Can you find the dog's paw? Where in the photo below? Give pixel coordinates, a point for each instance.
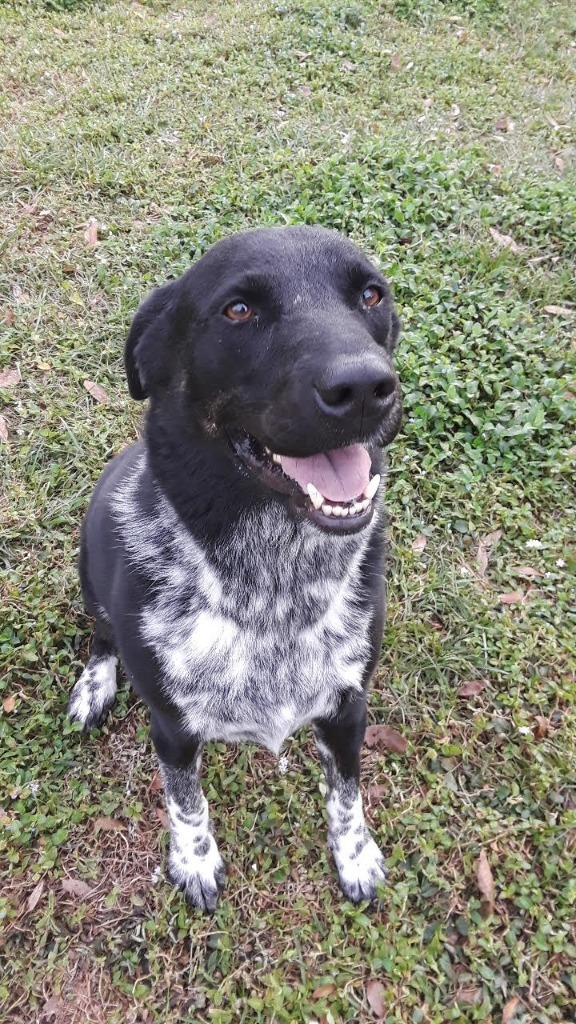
(201, 877)
(361, 868)
(94, 693)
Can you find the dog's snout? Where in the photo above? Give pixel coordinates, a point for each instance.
(355, 388)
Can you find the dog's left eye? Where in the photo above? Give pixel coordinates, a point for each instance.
(371, 296)
(238, 311)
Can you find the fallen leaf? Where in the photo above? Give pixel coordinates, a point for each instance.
(541, 728)
(485, 545)
(76, 887)
(34, 896)
(97, 392)
(156, 784)
(55, 1007)
(3, 429)
(419, 543)
(162, 817)
(18, 295)
(384, 736)
(305, 90)
(42, 364)
(9, 317)
(9, 703)
(375, 997)
(504, 124)
(559, 163)
(324, 990)
(527, 571)
(105, 824)
(8, 378)
(560, 310)
(395, 62)
(485, 883)
(347, 65)
(91, 233)
(469, 995)
(509, 1010)
(511, 598)
(505, 241)
(495, 170)
(472, 687)
(376, 793)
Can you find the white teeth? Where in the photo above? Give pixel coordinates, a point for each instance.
(337, 510)
(364, 504)
(315, 496)
(345, 511)
(327, 510)
(372, 487)
(276, 458)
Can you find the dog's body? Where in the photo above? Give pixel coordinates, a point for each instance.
(241, 605)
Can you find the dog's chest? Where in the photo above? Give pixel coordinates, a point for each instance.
(264, 636)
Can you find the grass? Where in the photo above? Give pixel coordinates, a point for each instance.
(416, 127)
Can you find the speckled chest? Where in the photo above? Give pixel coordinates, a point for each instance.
(260, 636)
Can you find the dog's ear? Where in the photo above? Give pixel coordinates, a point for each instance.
(150, 342)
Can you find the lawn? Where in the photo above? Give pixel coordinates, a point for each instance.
(440, 135)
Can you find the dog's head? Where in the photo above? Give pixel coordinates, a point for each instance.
(277, 345)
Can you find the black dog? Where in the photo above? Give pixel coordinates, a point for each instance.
(234, 558)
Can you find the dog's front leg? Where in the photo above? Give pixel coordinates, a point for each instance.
(194, 863)
(358, 859)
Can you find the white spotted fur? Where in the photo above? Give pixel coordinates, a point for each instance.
(94, 692)
(257, 639)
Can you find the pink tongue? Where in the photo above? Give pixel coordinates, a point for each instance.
(339, 475)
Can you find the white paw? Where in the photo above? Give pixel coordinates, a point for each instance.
(94, 693)
(200, 874)
(361, 866)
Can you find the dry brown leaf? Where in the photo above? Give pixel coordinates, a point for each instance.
(156, 784)
(9, 703)
(55, 1010)
(105, 824)
(527, 571)
(485, 883)
(91, 233)
(76, 887)
(559, 163)
(472, 687)
(560, 310)
(18, 295)
(3, 429)
(509, 1010)
(541, 728)
(504, 124)
(419, 543)
(375, 996)
(395, 62)
(512, 598)
(384, 736)
(505, 241)
(377, 793)
(485, 545)
(495, 170)
(305, 90)
(97, 392)
(35, 896)
(162, 817)
(469, 995)
(324, 990)
(8, 378)
(9, 317)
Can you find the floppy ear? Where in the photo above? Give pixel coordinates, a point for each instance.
(150, 342)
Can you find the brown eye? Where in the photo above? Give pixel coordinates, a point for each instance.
(371, 296)
(238, 311)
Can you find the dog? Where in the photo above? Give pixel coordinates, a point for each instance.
(233, 559)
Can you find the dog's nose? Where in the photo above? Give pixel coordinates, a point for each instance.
(360, 388)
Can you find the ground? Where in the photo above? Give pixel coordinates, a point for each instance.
(439, 135)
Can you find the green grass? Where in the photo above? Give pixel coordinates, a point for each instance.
(416, 127)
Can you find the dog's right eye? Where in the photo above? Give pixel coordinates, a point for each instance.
(238, 311)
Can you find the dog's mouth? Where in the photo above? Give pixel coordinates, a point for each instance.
(333, 488)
